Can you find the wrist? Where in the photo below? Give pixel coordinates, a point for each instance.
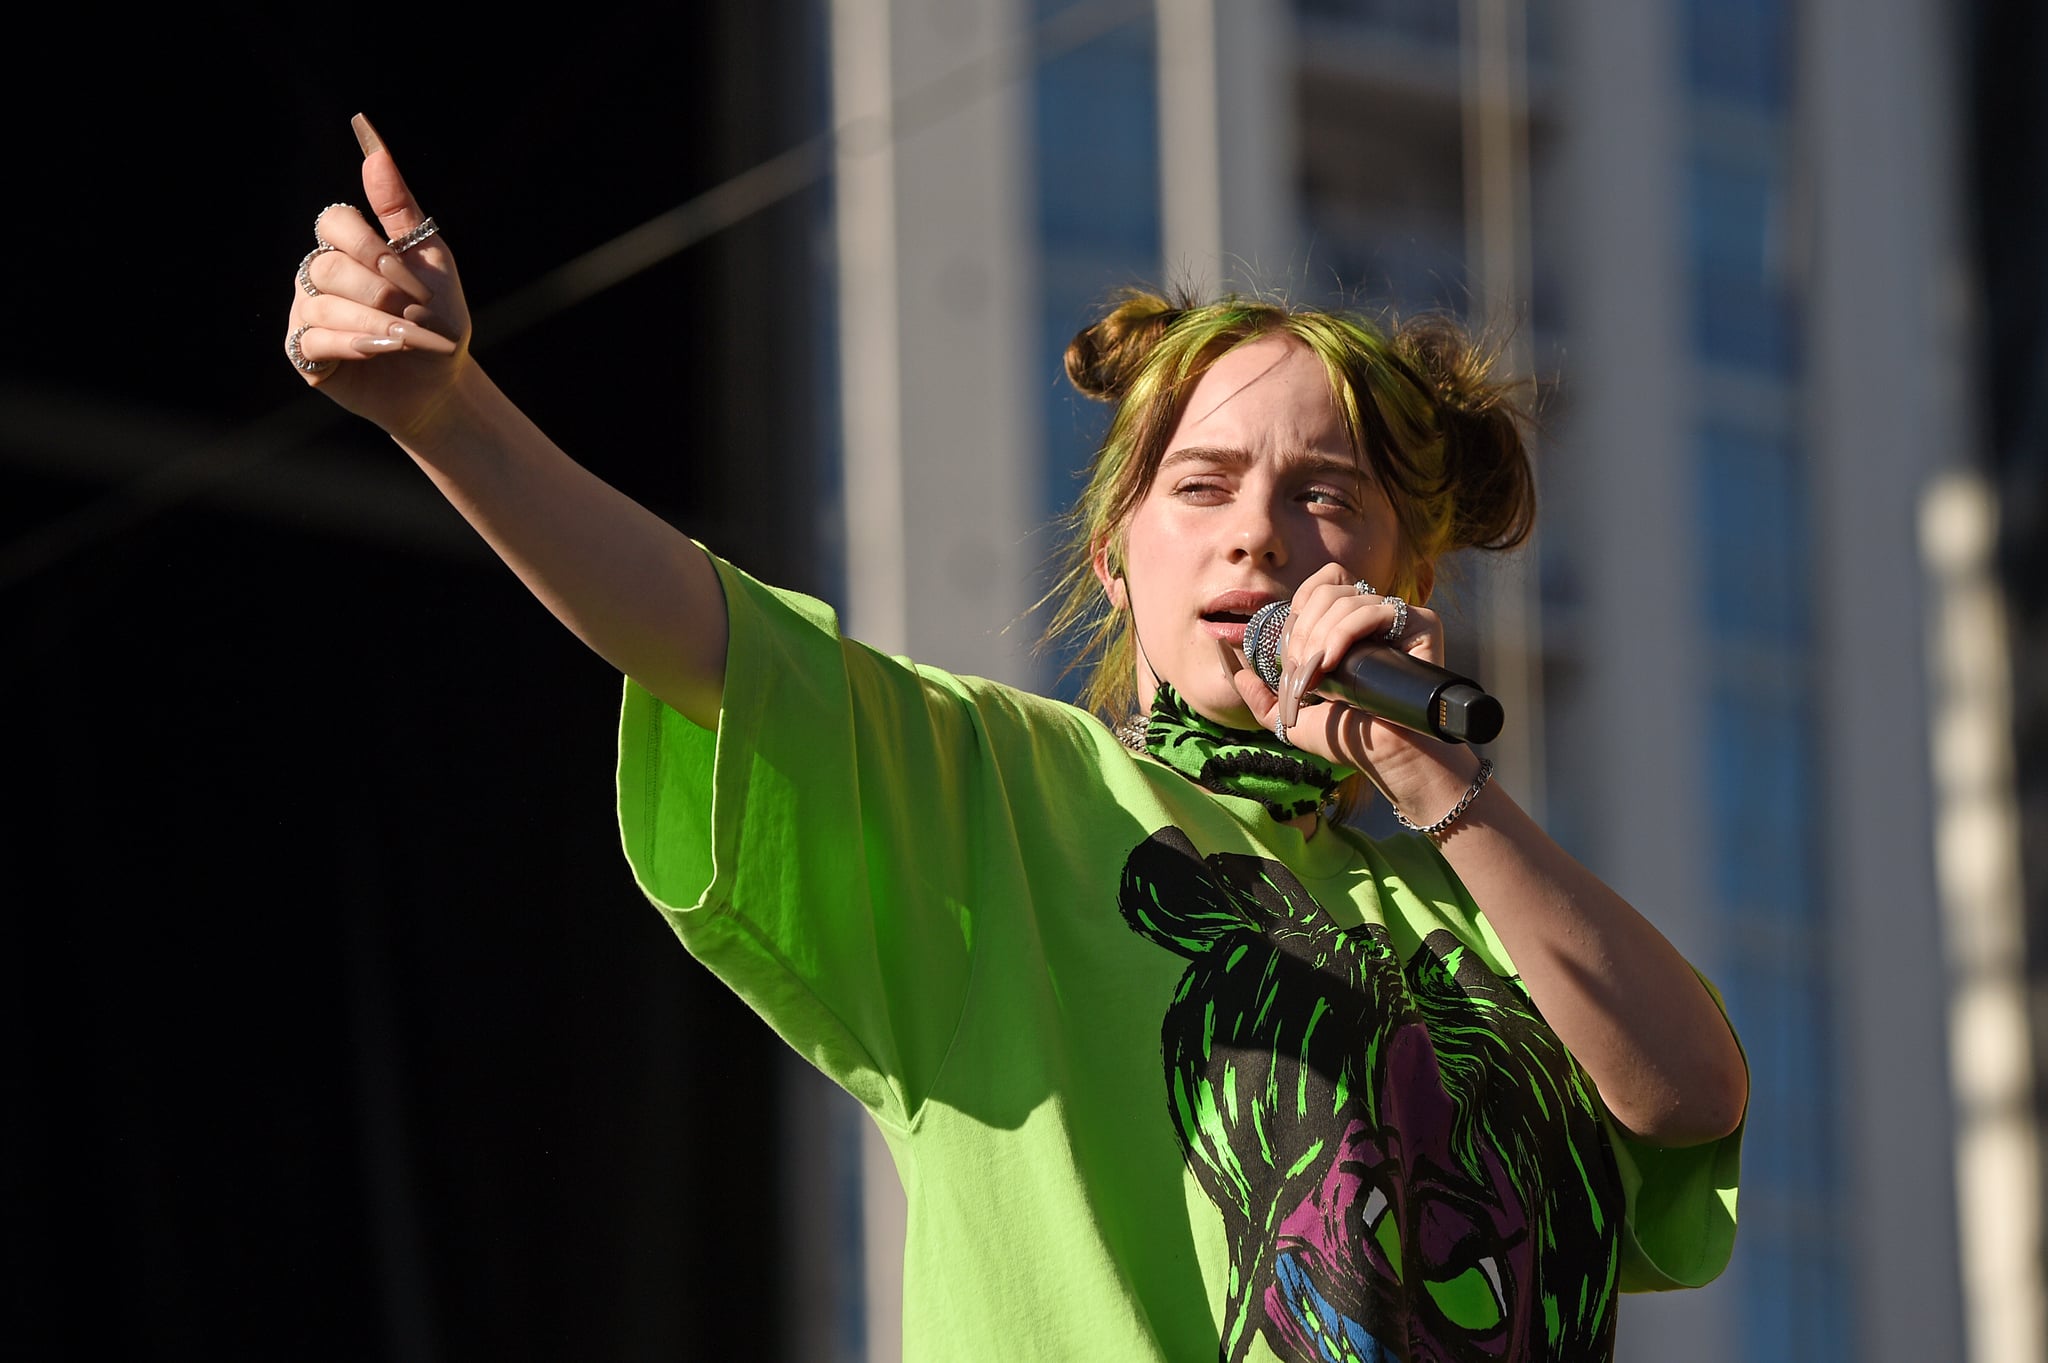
(1427, 779)
(452, 416)
(1415, 772)
(1439, 828)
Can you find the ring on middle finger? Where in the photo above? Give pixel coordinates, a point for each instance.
(1400, 625)
(306, 269)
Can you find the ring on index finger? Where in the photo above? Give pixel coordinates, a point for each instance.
(306, 268)
(401, 244)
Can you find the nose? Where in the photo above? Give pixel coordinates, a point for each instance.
(1257, 532)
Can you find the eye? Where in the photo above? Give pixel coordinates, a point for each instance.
(1324, 495)
(1202, 491)
(1380, 1226)
(1472, 1300)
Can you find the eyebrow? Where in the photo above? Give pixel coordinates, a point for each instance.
(1232, 457)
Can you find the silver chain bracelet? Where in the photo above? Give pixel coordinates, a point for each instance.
(1471, 794)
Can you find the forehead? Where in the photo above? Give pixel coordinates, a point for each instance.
(1271, 394)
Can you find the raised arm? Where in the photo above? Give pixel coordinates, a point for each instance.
(386, 334)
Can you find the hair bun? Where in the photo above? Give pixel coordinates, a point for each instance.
(1486, 465)
(1103, 359)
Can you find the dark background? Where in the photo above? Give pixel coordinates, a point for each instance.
(2008, 129)
(335, 1027)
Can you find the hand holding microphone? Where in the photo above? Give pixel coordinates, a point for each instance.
(1384, 682)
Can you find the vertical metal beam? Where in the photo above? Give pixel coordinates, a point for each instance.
(939, 398)
(1190, 170)
(1225, 143)
(1494, 42)
(870, 358)
(1625, 504)
(1884, 282)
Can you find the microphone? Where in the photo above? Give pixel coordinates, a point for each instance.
(1386, 683)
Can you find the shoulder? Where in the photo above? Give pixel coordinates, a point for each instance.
(1419, 894)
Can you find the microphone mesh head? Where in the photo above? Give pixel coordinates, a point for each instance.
(1262, 641)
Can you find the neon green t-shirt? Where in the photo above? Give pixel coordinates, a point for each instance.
(1162, 1078)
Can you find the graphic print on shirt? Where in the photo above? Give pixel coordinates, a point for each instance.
(1409, 1164)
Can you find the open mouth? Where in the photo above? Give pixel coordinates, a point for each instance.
(1226, 626)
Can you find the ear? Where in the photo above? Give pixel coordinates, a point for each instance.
(1112, 580)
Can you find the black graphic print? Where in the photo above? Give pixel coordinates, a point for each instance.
(1408, 1163)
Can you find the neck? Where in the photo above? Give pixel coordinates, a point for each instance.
(1251, 763)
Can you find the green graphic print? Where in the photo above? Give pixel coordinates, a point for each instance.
(1245, 762)
(1409, 1164)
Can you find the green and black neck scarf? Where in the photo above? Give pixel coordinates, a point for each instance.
(1245, 762)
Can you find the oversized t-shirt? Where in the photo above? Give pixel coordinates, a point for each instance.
(1163, 1079)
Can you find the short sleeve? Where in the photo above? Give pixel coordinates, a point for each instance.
(1679, 1227)
(811, 852)
(1681, 1222)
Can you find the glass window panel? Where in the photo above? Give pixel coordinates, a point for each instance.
(1740, 307)
(1753, 537)
(1736, 50)
(1098, 145)
(1431, 20)
(1095, 120)
(1758, 795)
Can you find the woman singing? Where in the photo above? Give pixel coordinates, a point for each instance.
(1174, 1064)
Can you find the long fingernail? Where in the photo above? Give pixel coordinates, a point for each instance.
(376, 345)
(1294, 684)
(394, 269)
(417, 337)
(366, 136)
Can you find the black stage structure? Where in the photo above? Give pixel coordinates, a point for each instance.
(336, 1026)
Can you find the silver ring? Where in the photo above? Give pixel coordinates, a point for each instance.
(1362, 587)
(427, 228)
(316, 224)
(306, 266)
(1400, 625)
(297, 356)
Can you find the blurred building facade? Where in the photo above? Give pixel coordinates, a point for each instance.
(1708, 229)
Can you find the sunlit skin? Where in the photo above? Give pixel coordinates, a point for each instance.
(624, 581)
(1259, 497)
(1284, 509)
(1259, 488)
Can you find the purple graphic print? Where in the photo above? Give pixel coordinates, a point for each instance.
(1409, 1165)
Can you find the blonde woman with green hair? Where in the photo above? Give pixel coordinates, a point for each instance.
(1174, 1064)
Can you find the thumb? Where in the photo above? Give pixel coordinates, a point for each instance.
(1259, 698)
(385, 188)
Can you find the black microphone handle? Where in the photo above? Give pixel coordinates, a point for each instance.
(1386, 683)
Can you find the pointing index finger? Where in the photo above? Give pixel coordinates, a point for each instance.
(396, 209)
